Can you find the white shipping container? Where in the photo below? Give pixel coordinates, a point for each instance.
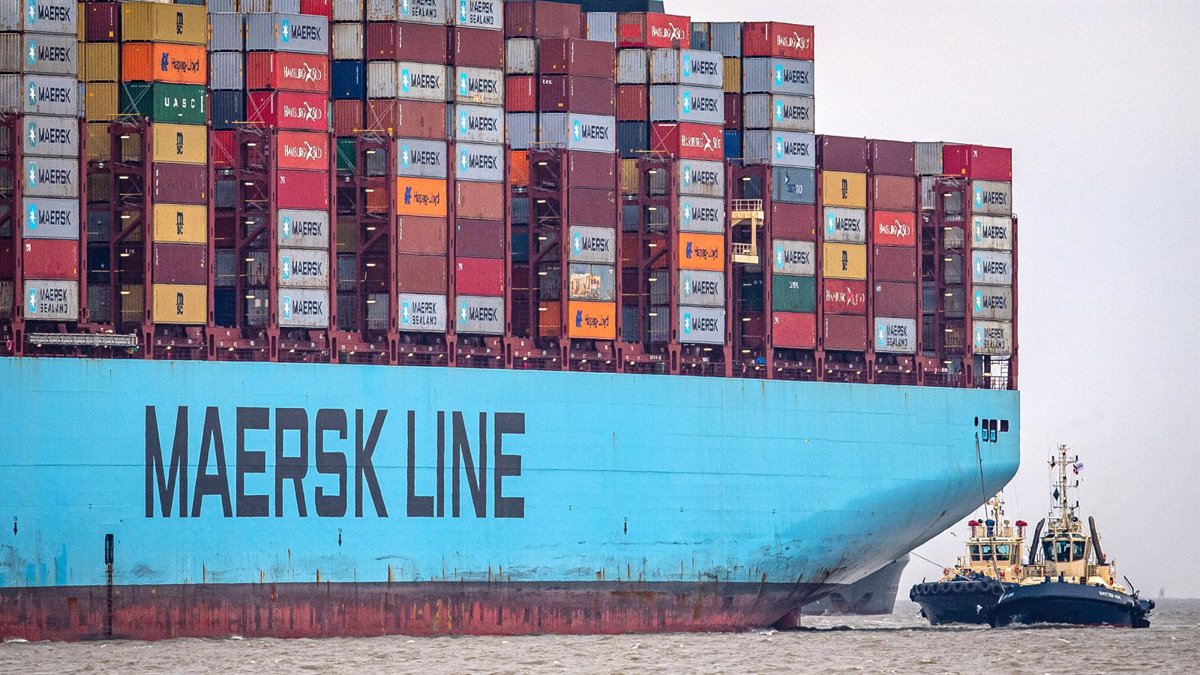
(421, 313)
(701, 325)
(50, 218)
(51, 177)
(479, 124)
(602, 26)
(417, 81)
(779, 148)
(992, 302)
(479, 14)
(481, 315)
(702, 289)
(436, 12)
(520, 56)
(51, 300)
(303, 229)
(794, 257)
(348, 10)
(57, 17)
(701, 178)
(593, 244)
(991, 267)
(303, 308)
(992, 338)
(895, 336)
(420, 158)
(303, 268)
(845, 225)
(593, 133)
(300, 33)
(991, 198)
(482, 162)
(49, 136)
(39, 54)
(991, 232)
(632, 66)
(689, 67)
(777, 76)
(387, 10)
(40, 94)
(777, 111)
(702, 214)
(671, 103)
(483, 86)
(348, 41)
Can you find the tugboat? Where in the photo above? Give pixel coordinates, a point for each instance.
(1069, 579)
(992, 566)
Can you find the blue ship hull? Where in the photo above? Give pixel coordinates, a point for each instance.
(155, 499)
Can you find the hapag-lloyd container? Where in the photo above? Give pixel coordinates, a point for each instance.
(164, 62)
(768, 111)
(49, 300)
(687, 67)
(303, 308)
(162, 102)
(588, 58)
(688, 141)
(286, 71)
(39, 54)
(701, 214)
(591, 320)
(794, 186)
(303, 190)
(893, 298)
(991, 232)
(421, 313)
(779, 148)
(773, 38)
(977, 162)
(701, 289)
(699, 251)
(303, 228)
(487, 14)
(479, 124)
(894, 228)
(40, 94)
(650, 29)
(777, 76)
(593, 244)
(50, 218)
(991, 267)
(992, 338)
(992, 302)
(633, 66)
(845, 225)
(567, 93)
(307, 151)
(479, 162)
(991, 198)
(844, 296)
(419, 158)
(299, 111)
(673, 103)
(392, 41)
(592, 282)
(57, 17)
(701, 325)
(47, 136)
(794, 257)
(895, 335)
(287, 33)
(483, 86)
(51, 177)
(701, 178)
(594, 133)
(481, 315)
(303, 268)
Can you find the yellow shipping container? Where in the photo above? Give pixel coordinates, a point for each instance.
(180, 143)
(80, 13)
(101, 104)
(180, 303)
(630, 185)
(98, 141)
(154, 22)
(101, 62)
(732, 76)
(839, 188)
(844, 261)
(181, 223)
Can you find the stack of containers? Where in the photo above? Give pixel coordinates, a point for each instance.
(726, 38)
(349, 47)
(38, 70)
(637, 35)
(162, 53)
(100, 71)
(892, 198)
(843, 234)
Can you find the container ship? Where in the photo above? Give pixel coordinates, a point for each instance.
(432, 317)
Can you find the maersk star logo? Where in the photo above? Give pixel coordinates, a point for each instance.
(687, 102)
(687, 214)
(978, 338)
(577, 130)
(285, 268)
(32, 309)
(31, 219)
(404, 7)
(463, 82)
(687, 175)
(463, 163)
(687, 65)
(32, 93)
(978, 197)
(286, 302)
(978, 230)
(31, 9)
(687, 285)
(405, 156)
(577, 243)
(33, 135)
(462, 121)
(686, 323)
(286, 227)
(978, 299)
(978, 268)
(406, 309)
(462, 310)
(285, 30)
(880, 337)
(32, 174)
(779, 147)
(779, 74)
(405, 79)
(778, 110)
(830, 227)
(778, 256)
(462, 11)
(31, 53)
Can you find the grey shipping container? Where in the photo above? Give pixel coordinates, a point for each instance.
(482, 162)
(521, 130)
(594, 133)
(592, 282)
(226, 71)
(264, 6)
(51, 300)
(520, 56)
(483, 86)
(993, 268)
(991, 198)
(303, 268)
(992, 337)
(701, 325)
(303, 33)
(848, 226)
(50, 218)
(794, 257)
(602, 26)
(483, 315)
(417, 81)
(895, 336)
(779, 148)
(700, 178)
(777, 76)
(418, 11)
(633, 66)
(304, 308)
(794, 186)
(703, 289)
(690, 67)
(49, 136)
(349, 10)
(671, 103)
(992, 302)
(419, 158)
(389, 10)
(593, 244)
(700, 35)
(39, 16)
(40, 94)
(421, 313)
(726, 37)
(303, 229)
(702, 214)
(777, 111)
(348, 41)
(39, 54)
(991, 232)
(51, 177)
(929, 158)
(226, 31)
(487, 14)
(479, 124)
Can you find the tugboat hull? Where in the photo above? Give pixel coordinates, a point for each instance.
(959, 601)
(1070, 603)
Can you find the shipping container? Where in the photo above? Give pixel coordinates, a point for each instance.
(415, 119)
(845, 333)
(479, 238)
(153, 22)
(701, 325)
(977, 162)
(591, 169)
(100, 62)
(992, 302)
(602, 26)
(929, 159)
(893, 158)
(733, 111)
(304, 308)
(993, 338)
(895, 299)
(287, 71)
(347, 119)
(421, 313)
(594, 133)
(701, 289)
(483, 86)
(521, 130)
(47, 300)
(794, 257)
(348, 41)
(303, 268)
(779, 148)
(633, 139)
(474, 47)
(688, 141)
(840, 153)
(419, 158)
(991, 232)
(179, 143)
(37, 54)
(226, 32)
(228, 71)
(408, 80)
(894, 263)
(731, 76)
(50, 218)
(40, 94)
(51, 258)
(894, 228)
(843, 296)
(279, 32)
(179, 183)
(6, 299)
(894, 335)
(592, 320)
(592, 207)
(773, 38)
(101, 101)
(481, 201)
(421, 273)
(306, 151)
(479, 276)
(47, 136)
(290, 110)
(794, 186)
(777, 76)
(179, 264)
(304, 190)
(419, 42)
(633, 66)
(769, 111)
(700, 178)
(479, 315)
(794, 221)
(180, 223)
(435, 12)
(845, 225)
(991, 198)
(178, 103)
(51, 177)
(586, 58)
(893, 193)
(57, 17)
(547, 20)
(421, 196)
(687, 67)
(484, 14)
(633, 103)
(520, 94)
(592, 282)
(701, 251)
(100, 21)
(650, 29)
(479, 124)
(228, 110)
(845, 261)
(992, 268)
(793, 330)
(421, 234)
(587, 95)
(672, 103)
(353, 10)
(520, 56)
(480, 162)
(793, 293)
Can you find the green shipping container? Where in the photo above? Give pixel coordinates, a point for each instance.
(347, 155)
(161, 102)
(793, 294)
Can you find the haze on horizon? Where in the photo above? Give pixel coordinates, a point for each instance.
(1101, 106)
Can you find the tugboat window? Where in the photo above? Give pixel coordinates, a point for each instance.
(987, 552)
(1062, 550)
(1003, 552)
(1079, 550)
(975, 554)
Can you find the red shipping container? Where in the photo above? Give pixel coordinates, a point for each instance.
(654, 30)
(347, 117)
(479, 238)
(302, 190)
(591, 169)
(179, 183)
(794, 221)
(180, 264)
(977, 162)
(51, 259)
(477, 47)
(794, 330)
(478, 276)
(633, 103)
(895, 300)
(287, 71)
(421, 274)
(845, 333)
(408, 119)
(421, 234)
(572, 93)
(299, 111)
(773, 38)
(223, 149)
(586, 58)
(892, 158)
(843, 296)
(101, 22)
(894, 228)
(894, 263)
(733, 111)
(688, 140)
(317, 8)
(840, 153)
(520, 94)
(395, 41)
(894, 193)
(592, 207)
(546, 20)
(303, 150)
(482, 201)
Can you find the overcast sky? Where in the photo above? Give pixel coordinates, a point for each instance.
(1101, 105)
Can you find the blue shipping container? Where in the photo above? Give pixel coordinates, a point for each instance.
(349, 80)
(733, 144)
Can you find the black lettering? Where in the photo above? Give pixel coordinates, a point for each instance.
(250, 461)
(462, 449)
(178, 466)
(212, 484)
(507, 466)
(419, 506)
(331, 463)
(441, 464)
(363, 468)
(291, 468)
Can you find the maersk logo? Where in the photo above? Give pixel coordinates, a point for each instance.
(285, 268)
(462, 11)
(31, 218)
(463, 308)
(687, 218)
(32, 308)
(405, 79)
(779, 74)
(687, 285)
(286, 227)
(404, 12)
(687, 102)
(33, 135)
(577, 130)
(786, 149)
(463, 84)
(463, 161)
(405, 156)
(406, 306)
(978, 299)
(687, 65)
(32, 52)
(31, 8)
(285, 303)
(778, 110)
(687, 175)
(577, 243)
(779, 147)
(32, 93)
(989, 197)
(285, 30)
(778, 255)
(33, 174)
(686, 323)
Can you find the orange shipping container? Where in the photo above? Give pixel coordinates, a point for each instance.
(592, 320)
(163, 62)
(421, 196)
(550, 319)
(518, 164)
(701, 251)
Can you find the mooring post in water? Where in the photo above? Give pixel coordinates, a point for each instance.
(108, 566)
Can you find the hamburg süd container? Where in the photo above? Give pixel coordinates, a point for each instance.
(894, 228)
(894, 335)
(774, 111)
(304, 308)
(992, 302)
(479, 162)
(287, 33)
(294, 110)
(773, 38)
(688, 141)
(40, 94)
(482, 315)
(421, 313)
(777, 76)
(844, 296)
(991, 198)
(420, 158)
(587, 58)
(50, 218)
(794, 186)
(483, 86)
(674, 103)
(56, 17)
(594, 133)
(687, 67)
(287, 71)
(794, 257)
(779, 148)
(567, 93)
(991, 232)
(47, 136)
(48, 299)
(701, 325)
(977, 162)
(36, 54)
(701, 178)
(303, 150)
(479, 124)
(650, 29)
(162, 102)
